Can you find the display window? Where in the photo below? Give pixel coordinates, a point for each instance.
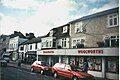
(95, 63)
(112, 65)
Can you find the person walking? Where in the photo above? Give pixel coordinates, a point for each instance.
(85, 66)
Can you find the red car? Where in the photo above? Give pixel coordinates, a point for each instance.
(69, 71)
(40, 66)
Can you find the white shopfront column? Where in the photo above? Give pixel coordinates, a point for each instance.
(103, 67)
(67, 60)
(59, 59)
(50, 60)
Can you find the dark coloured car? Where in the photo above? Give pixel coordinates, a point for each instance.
(3, 63)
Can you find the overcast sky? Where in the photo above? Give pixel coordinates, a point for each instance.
(39, 16)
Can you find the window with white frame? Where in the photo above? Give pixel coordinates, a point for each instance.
(113, 20)
(64, 42)
(78, 27)
(78, 41)
(51, 33)
(31, 47)
(112, 41)
(65, 29)
(22, 48)
(36, 46)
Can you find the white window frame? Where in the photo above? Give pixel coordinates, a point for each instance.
(64, 41)
(78, 27)
(51, 33)
(65, 29)
(113, 17)
(77, 40)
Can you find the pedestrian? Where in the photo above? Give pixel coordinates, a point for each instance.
(19, 62)
(85, 66)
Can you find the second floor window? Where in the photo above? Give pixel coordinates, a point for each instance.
(78, 27)
(36, 46)
(64, 42)
(112, 41)
(22, 48)
(65, 29)
(30, 47)
(113, 20)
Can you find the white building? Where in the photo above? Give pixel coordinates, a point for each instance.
(13, 46)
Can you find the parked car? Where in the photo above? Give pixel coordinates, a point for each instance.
(6, 57)
(40, 66)
(3, 63)
(70, 71)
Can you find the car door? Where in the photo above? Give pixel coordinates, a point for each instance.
(60, 69)
(67, 71)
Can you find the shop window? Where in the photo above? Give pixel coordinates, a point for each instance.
(112, 65)
(113, 20)
(95, 64)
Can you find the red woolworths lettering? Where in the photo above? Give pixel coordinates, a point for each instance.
(90, 51)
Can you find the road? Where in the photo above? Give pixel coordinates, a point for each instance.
(11, 73)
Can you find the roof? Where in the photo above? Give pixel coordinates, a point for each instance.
(57, 32)
(33, 40)
(114, 10)
(15, 34)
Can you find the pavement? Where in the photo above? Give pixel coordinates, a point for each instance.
(23, 66)
(28, 66)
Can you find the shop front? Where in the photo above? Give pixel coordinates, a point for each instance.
(102, 62)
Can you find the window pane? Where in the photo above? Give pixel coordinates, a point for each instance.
(113, 43)
(111, 22)
(115, 21)
(113, 37)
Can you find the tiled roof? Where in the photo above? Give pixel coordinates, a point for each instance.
(33, 40)
(17, 34)
(114, 10)
(58, 32)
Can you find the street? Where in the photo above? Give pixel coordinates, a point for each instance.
(11, 73)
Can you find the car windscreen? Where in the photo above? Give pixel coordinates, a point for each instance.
(44, 64)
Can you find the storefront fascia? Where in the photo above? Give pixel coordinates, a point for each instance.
(91, 52)
(81, 52)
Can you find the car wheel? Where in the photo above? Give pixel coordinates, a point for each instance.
(32, 70)
(75, 78)
(55, 75)
(41, 71)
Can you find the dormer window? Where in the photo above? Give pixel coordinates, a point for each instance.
(113, 20)
(65, 29)
(51, 33)
(78, 27)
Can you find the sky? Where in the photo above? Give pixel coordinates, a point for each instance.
(40, 16)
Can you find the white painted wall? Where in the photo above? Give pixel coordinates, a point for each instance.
(112, 76)
(95, 73)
